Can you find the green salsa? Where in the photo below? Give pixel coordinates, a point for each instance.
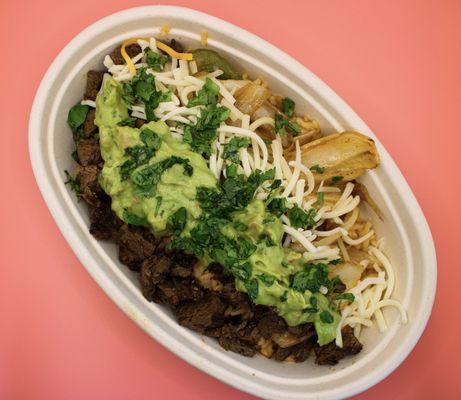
(158, 181)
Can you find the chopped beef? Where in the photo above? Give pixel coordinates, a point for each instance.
(88, 152)
(131, 50)
(89, 128)
(297, 353)
(93, 84)
(270, 323)
(139, 122)
(202, 315)
(135, 245)
(330, 354)
(87, 177)
(153, 270)
(176, 46)
(104, 224)
(238, 341)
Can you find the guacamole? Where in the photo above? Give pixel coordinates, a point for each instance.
(156, 180)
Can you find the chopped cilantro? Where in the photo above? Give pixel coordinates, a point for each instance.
(317, 168)
(203, 133)
(147, 177)
(240, 226)
(326, 317)
(140, 154)
(268, 280)
(73, 184)
(252, 288)
(320, 199)
(207, 95)
(142, 89)
(312, 278)
(156, 61)
(336, 178)
(344, 296)
(158, 204)
(282, 124)
(151, 139)
(231, 149)
(76, 117)
(233, 194)
(127, 122)
(133, 219)
(177, 221)
(242, 271)
(278, 206)
(284, 296)
(300, 218)
(288, 107)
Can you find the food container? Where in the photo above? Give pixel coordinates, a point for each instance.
(408, 241)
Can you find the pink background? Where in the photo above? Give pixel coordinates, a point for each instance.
(397, 63)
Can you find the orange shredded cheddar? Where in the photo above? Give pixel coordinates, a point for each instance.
(204, 38)
(162, 46)
(165, 29)
(181, 56)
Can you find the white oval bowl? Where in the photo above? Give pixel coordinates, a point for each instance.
(408, 241)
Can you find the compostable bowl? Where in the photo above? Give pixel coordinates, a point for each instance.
(408, 241)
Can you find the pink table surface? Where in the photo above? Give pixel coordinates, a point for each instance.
(397, 63)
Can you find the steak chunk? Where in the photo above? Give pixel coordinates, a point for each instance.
(200, 316)
(270, 323)
(330, 354)
(153, 271)
(139, 122)
(131, 50)
(87, 177)
(93, 84)
(135, 245)
(89, 128)
(88, 152)
(104, 224)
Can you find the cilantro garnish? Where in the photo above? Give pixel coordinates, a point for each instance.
(207, 95)
(142, 89)
(147, 178)
(156, 61)
(140, 154)
(252, 288)
(320, 199)
(288, 107)
(318, 169)
(203, 133)
(326, 317)
(73, 184)
(282, 124)
(336, 179)
(177, 221)
(300, 218)
(268, 280)
(278, 206)
(312, 278)
(133, 219)
(231, 149)
(76, 117)
(130, 121)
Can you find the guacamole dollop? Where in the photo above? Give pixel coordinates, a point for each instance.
(155, 180)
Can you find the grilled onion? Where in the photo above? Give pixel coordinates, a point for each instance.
(346, 156)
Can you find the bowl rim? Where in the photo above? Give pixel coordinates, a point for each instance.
(38, 160)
